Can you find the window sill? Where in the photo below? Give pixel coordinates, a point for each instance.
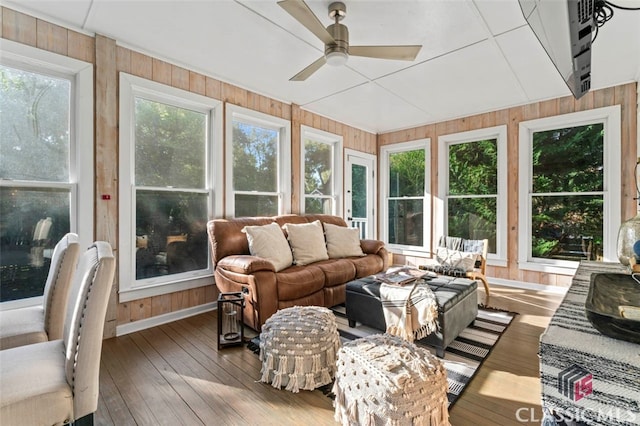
(566, 269)
(140, 292)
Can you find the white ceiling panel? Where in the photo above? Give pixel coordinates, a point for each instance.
(501, 15)
(534, 70)
(477, 55)
(370, 107)
(473, 79)
(69, 12)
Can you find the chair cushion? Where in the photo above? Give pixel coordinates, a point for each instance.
(268, 242)
(456, 259)
(23, 326)
(342, 242)
(307, 242)
(34, 389)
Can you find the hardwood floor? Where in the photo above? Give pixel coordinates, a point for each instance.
(173, 374)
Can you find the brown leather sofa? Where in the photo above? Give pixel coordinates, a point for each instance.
(321, 283)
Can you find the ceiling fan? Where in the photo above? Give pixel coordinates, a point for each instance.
(336, 39)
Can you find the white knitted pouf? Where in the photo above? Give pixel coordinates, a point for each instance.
(298, 348)
(384, 380)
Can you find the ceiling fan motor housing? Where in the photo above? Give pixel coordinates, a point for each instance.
(340, 34)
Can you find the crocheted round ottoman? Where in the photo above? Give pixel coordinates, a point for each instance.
(298, 348)
(384, 380)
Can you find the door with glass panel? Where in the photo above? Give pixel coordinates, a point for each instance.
(360, 192)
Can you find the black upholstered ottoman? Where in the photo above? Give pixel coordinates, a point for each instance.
(457, 307)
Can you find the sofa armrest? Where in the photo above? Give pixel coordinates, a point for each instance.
(371, 246)
(245, 264)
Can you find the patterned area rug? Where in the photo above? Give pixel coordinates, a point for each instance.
(463, 357)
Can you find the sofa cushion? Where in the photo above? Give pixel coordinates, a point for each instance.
(268, 242)
(307, 242)
(368, 265)
(341, 241)
(337, 271)
(297, 281)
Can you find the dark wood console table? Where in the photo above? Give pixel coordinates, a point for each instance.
(586, 376)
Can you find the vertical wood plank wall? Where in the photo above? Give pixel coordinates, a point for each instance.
(624, 95)
(109, 60)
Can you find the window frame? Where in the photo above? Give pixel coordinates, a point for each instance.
(336, 143)
(131, 87)
(441, 224)
(81, 174)
(385, 152)
(610, 117)
(235, 112)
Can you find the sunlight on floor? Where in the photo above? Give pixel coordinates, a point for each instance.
(519, 389)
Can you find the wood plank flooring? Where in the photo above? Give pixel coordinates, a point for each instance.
(173, 374)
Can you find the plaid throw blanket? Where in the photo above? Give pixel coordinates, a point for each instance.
(410, 311)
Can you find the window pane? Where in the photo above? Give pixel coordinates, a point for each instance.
(406, 222)
(170, 233)
(34, 129)
(473, 168)
(359, 191)
(318, 205)
(406, 173)
(474, 219)
(256, 205)
(569, 160)
(255, 159)
(318, 168)
(32, 221)
(567, 227)
(170, 145)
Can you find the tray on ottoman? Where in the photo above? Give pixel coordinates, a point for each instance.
(457, 307)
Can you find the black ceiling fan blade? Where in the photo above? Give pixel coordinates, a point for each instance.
(401, 53)
(306, 73)
(303, 14)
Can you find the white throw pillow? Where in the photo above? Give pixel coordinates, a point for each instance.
(456, 259)
(307, 242)
(341, 241)
(269, 242)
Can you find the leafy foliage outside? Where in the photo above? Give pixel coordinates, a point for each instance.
(359, 191)
(567, 162)
(34, 146)
(473, 188)
(406, 197)
(170, 152)
(255, 170)
(318, 179)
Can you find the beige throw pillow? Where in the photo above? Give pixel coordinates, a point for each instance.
(456, 259)
(341, 241)
(269, 242)
(307, 242)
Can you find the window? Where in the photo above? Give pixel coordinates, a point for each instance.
(322, 171)
(166, 173)
(46, 180)
(570, 184)
(405, 194)
(472, 186)
(258, 163)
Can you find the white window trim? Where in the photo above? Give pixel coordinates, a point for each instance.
(336, 142)
(500, 134)
(362, 158)
(234, 112)
(385, 152)
(130, 86)
(610, 117)
(81, 161)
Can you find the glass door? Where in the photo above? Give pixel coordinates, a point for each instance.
(360, 187)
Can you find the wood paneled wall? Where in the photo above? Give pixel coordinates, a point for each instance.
(109, 60)
(624, 95)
